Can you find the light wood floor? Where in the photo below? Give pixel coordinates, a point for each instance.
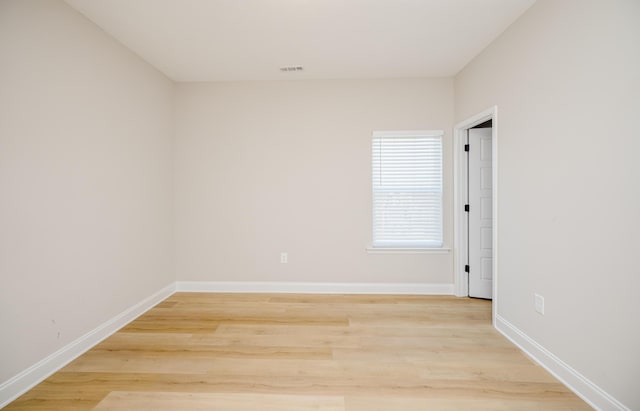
(264, 352)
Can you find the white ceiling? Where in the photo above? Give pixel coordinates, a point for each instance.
(227, 40)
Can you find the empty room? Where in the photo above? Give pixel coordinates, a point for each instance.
(338, 205)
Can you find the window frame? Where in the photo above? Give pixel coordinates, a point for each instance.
(377, 248)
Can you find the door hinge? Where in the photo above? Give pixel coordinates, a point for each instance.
(466, 208)
(466, 268)
(466, 147)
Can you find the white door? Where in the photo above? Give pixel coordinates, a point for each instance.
(480, 214)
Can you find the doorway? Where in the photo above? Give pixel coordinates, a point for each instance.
(475, 214)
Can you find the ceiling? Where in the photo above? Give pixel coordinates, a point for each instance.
(233, 40)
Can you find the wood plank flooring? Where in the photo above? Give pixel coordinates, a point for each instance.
(287, 352)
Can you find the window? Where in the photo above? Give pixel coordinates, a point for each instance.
(407, 189)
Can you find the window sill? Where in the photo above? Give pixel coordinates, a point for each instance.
(390, 250)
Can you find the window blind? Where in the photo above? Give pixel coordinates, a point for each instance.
(407, 189)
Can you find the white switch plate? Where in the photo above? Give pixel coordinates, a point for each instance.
(539, 303)
(284, 258)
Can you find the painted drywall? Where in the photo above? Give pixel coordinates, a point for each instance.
(268, 167)
(85, 180)
(566, 80)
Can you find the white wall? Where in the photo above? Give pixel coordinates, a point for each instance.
(266, 167)
(85, 180)
(566, 80)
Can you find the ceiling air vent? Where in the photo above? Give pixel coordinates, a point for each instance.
(291, 68)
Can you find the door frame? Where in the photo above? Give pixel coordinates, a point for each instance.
(460, 222)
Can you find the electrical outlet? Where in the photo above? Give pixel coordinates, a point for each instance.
(284, 258)
(539, 303)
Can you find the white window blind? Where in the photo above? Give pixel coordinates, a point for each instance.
(407, 189)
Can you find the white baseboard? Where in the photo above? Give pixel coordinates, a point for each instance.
(314, 288)
(27, 379)
(578, 383)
